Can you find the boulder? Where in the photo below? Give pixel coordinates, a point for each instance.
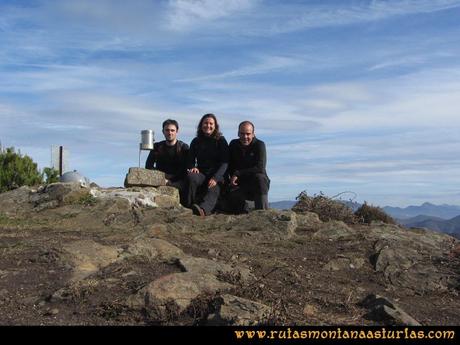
(176, 291)
(155, 249)
(88, 257)
(58, 194)
(15, 201)
(138, 177)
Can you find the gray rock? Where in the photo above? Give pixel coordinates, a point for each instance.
(141, 196)
(270, 224)
(237, 311)
(337, 264)
(177, 288)
(155, 249)
(57, 194)
(407, 267)
(87, 257)
(205, 266)
(16, 201)
(144, 178)
(334, 230)
(383, 309)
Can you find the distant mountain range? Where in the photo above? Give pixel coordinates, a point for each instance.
(427, 209)
(443, 218)
(283, 205)
(450, 226)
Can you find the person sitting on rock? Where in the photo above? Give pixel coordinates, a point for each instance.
(248, 176)
(170, 157)
(207, 163)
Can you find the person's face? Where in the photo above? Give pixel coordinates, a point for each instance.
(170, 132)
(246, 134)
(208, 126)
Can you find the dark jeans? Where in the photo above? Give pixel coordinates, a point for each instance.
(253, 187)
(199, 193)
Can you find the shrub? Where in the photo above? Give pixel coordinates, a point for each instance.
(326, 208)
(87, 200)
(51, 175)
(17, 170)
(368, 213)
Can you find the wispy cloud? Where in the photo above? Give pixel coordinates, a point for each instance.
(185, 14)
(307, 17)
(346, 95)
(267, 64)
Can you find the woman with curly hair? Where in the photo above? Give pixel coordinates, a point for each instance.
(206, 165)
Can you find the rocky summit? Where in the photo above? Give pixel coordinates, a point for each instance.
(71, 255)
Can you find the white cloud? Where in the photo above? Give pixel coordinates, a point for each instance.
(306, 16)
(184, 14)
(268, 64)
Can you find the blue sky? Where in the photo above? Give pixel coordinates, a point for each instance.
(360, 96)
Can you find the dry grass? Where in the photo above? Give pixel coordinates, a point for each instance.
(367, 214)
(326, 208)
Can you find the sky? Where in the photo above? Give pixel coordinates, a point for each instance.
(357, 98)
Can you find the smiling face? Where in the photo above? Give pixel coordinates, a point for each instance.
(246, 134)
(208, 126)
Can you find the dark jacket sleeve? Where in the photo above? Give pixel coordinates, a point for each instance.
(184, 157)
(151, 159)
(224, 155)
(191, 155)
(260, 163)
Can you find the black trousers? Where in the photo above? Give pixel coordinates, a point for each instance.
(197, 192)
(252, 187)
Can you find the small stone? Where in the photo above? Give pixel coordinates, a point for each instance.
(213, 252)
(130, 273)
(309, 310)
(54, 311)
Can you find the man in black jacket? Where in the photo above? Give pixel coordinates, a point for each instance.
(170, 156)
(248, 177)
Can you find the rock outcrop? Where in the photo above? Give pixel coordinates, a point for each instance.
(77, 255)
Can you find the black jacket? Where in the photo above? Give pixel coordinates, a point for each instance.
(247, 160)
(210, 156)
(171, 160)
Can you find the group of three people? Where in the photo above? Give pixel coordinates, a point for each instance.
(201, 171)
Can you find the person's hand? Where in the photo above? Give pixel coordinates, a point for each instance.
(194, 171)
(233, 180)
(211, 183)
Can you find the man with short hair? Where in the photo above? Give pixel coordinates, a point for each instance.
(170, 156)
(248, 177)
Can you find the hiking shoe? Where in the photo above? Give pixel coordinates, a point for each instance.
(198, 210)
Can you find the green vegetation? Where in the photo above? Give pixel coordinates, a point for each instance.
(87, 200)
(17, 170)
(368, 213)
(51, 175)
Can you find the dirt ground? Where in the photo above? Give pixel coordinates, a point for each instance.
(291, 273)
